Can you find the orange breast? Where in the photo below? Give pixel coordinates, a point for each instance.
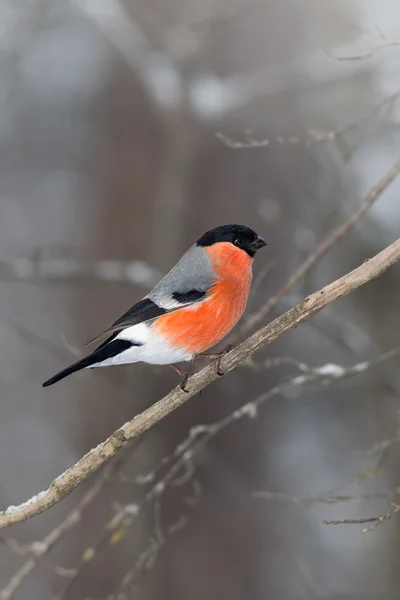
(199, 327)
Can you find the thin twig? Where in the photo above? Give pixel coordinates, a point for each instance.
(322, 499)
(375, 520)
(362, 55)
(250, 142)
(385, 43)
(98, 456)
(312, 136)
(336, 235)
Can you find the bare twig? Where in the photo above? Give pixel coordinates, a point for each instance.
(375, 520)
(249, 142)
(363, 55)
(385, 43)
(321, 499)
(312, 136)
(98, 456)
(323, 248)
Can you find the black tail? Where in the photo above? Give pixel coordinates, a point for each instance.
(112, 348)
(81, 364)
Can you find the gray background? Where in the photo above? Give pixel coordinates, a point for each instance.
(110, 168)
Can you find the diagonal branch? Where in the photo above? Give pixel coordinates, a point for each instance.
(335, 236)
(40, 549)
(67, 481)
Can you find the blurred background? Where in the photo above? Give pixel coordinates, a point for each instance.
(127, 129)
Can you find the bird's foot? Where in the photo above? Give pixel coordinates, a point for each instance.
(183, 375)
(217, 356)
(228, 349)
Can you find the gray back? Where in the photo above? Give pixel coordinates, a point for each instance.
(192, 272)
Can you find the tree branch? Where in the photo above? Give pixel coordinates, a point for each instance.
(67, 481)
(179, 466)
(332, 239)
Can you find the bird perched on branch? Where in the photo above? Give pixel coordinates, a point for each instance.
(190, 310)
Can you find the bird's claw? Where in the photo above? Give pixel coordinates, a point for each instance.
(183, 382)
(229, 348)
(183, 375)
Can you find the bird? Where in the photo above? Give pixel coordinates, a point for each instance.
(190, 310)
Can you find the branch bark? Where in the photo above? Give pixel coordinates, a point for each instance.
(67, 481)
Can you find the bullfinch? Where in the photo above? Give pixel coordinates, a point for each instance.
(190, 310)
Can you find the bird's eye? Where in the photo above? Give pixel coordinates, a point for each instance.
(238, 242)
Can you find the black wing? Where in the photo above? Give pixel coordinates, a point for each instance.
(146, 310)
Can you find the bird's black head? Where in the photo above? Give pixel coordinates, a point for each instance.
(238, 235)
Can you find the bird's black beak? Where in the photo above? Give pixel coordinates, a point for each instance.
(257, 244)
